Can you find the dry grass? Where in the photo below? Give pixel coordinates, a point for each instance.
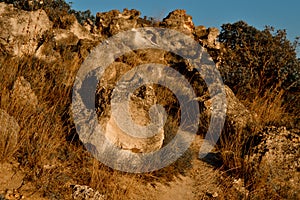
(52, 158)
(48, 159)
(269, 109)
(48, 149)
(53, 161)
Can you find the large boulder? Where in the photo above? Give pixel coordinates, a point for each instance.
(140, 104)
(238, 117)
(21, 31)
(127, 142)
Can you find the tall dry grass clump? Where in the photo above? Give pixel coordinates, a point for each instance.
(48, 157)
(236, 148)
(49, 150)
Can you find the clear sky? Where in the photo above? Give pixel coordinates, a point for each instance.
(212, 13)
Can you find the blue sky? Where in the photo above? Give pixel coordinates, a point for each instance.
(214, 13)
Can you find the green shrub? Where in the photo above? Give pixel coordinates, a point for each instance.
(257, 61)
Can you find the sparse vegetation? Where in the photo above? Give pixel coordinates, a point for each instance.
(261, 67)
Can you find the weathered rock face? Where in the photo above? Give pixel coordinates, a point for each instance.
(138, 145)
(21, 30)
(71, 41)
(212, 36)
(40, 39)
(180, 21)
(112, 22)
(74, 41)
(31, 33)
(277, 160)
(82, 32)
(9, 132)
(201, 31)
(237, 115)
(140, 104)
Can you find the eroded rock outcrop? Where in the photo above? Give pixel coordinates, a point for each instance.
(276, 158)
(40, 38)
(74, 42)
(211, 41)
(112, 22)
(180, 21)
(21, 31)
(24, 33)
(140, 104)
(238, 116)
(69, 42)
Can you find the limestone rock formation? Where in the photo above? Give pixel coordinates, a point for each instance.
(277, 157)
(179, 21)
(31, 33)
(89, 25)
(21, 31)
(237, 115)
(201, 31)
(78, 40)
(40, 39)
(112, 22)
(70, 38)
(278, 145)
(140, 104)
(9, 132)
(212, 36)
(82, 32)
(137, 145)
